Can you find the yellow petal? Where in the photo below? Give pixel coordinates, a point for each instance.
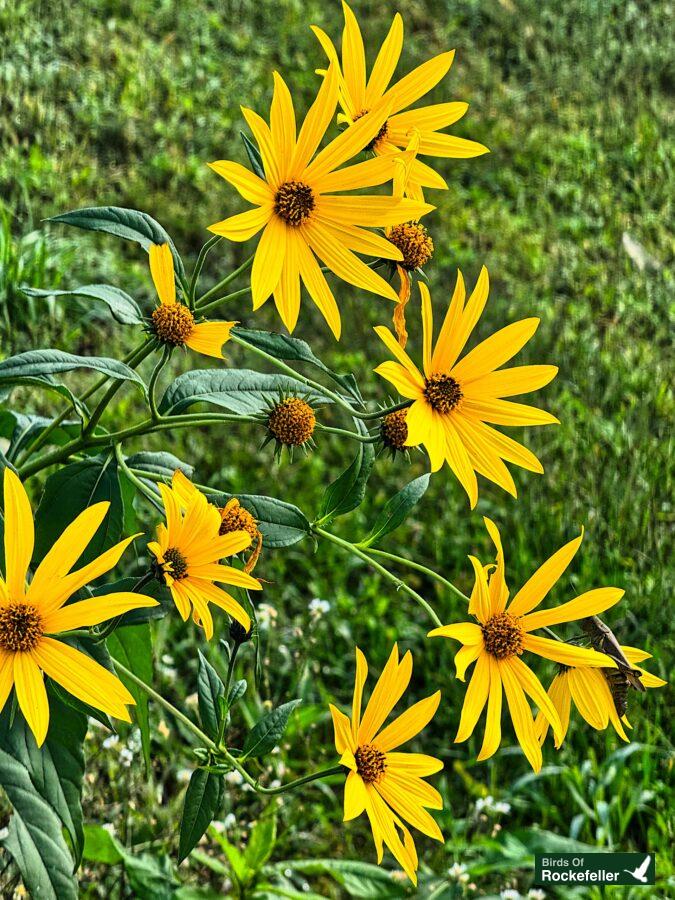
(19, 534)
(208, 338)
(400, 378)
(384, 822)
(494, 351)
(493, 726)
(521, 716)
(396, 350)
(353, 58)
(84, 678)
(346, 265)
(475, 699)
(91, 612)
(465, 632)
(533, 688)
(268, 262)
(419, 82)
(464, 321)
(343, 731)
(464, 657)
(538, 586)
(359, 681)
(355, 796)
(263, 137)
(370, 211)
(509, 382)
(447, 347)
(316, 121)
(389, 689)
(427, 118)
(505, 412)
(282, 124)
(505, 446)
(499, 592)
(413, 764)
(205, 592)
(417, 789)
(31, 694)
(567, 654)
(249, 185)
(6, 676)
(483, 457)
(161, 269)
(386, 62)
(287, 291)
(348, 144)
(480, 605)
(372, 172)
(592, 603)
(427, 328)
(400, 800)
(409, 723)
(458, 460)
(449, 146)
(591, 701)
(359, 239)
(244, 225)
(318, 288)
(560, 697)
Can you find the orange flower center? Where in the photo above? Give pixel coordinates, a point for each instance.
(292, 422)
(503, 636)
(178, 564)
(413, 240)
(294, 202)
(394, 430)
(173, 323)
(442, 392)
(20, 627)
(370, 763)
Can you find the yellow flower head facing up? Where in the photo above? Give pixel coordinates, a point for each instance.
(188, 551)
(388, 785)
(598, 695)
(172, 322)
(304, 221)
(32, 616)
(456, 401)
(502, 631)
(358, 94)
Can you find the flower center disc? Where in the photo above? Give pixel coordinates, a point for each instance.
(292, 422)
(394, 430)
(294, 202)
(413, 240)
(381, 134)
(173, 323)
(236, 518)
(503, 636)
(442, 392)
(20, 627)
(179, 566)
(370, 763)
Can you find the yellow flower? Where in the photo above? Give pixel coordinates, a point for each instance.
(31, 613)
(389, 786)
(301, 216)
(188, 550)
(503, 631)
(358, 95)
(455, 402)
(592, 696)
(173, 322)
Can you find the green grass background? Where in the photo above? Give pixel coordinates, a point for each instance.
(123, 103)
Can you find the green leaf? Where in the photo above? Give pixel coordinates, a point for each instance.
(123, 308)
(47, 383)
(358, 879)
(49, 362)
(349, 488)
(235, 857)
(21, 429)
(239, 390)
(35, 842)
(71, 490)
(262, 840)
(237, 691)
(209, 691)
(281, 524)
(130, 224)
(202, 801)
(268, 731)
(254, 156)
(57, 768)
(397, 509)
(160, 463)
(132, 646)
(284, 347)
(100, 846)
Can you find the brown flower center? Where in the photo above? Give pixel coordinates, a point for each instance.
(442, 392)
(236, 518)
(370, 763)
(173, 323)
(292, 422)
(503, 636)
(294, 202)
(179, 565)
(381, 134)
(413, 240)
(394, 430)
(20, 627)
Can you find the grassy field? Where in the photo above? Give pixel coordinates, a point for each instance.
(123, 103)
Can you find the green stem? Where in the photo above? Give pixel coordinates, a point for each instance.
(200, 304)
(137, 483)
(214, 303)
(418, 567)
(381, 413)
(361, 438)
(152, 384)
(356, 551)
(200, 264)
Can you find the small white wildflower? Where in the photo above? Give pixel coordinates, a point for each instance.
(109, 827)
(229, 821)
(485, 803)
(502, 807)
(536, 894)
(456, 871)
(183, 776)
(318, 608)
(167, 659)
(110, 741)
(126, 757)
(267, 615)
(234, 778)
(511, 894)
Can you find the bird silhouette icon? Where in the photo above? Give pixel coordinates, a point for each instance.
(639, 873)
